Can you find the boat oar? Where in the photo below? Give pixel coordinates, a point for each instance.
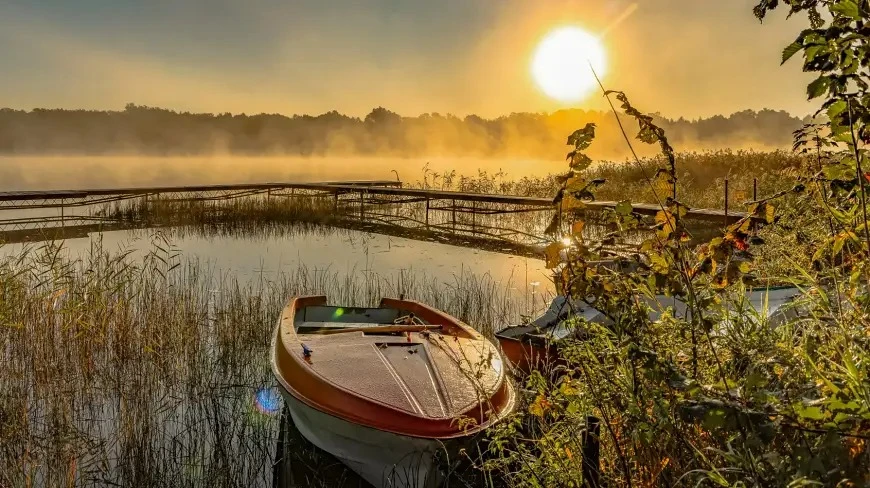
(385, 328)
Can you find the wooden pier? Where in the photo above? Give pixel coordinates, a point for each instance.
(475, 219)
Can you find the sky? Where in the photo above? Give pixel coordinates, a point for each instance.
(680, 58)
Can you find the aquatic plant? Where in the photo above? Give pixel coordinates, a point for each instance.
(126, 370)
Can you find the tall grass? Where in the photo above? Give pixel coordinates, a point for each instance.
(146, 372)
(701, 178)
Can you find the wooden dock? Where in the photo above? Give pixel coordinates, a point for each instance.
(376, 205)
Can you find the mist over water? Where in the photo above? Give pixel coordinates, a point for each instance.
(86, 172)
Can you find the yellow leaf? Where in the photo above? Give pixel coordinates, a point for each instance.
(667, 223)
(577, 227)
(575, 183)
(569, 202)
(566, 389)
(540, 406)
(664, 185)
(552, 253)
(769, 213)
(568, 453)
(658, 263)
(665, 217)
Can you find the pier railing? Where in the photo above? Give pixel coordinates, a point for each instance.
(506, 223)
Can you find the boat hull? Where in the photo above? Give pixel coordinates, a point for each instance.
(383, 459)
(525, 356)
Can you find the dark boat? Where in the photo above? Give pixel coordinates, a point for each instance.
(533, 345)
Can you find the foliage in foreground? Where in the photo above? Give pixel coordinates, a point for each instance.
(713, 392)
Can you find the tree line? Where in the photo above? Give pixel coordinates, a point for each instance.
(156, 131)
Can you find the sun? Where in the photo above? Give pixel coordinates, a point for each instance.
(561, 62)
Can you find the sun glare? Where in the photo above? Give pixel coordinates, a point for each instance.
(561, 62)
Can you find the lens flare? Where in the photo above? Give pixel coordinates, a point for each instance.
(268, 401)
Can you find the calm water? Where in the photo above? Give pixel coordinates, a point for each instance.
(78, 172)
(523, 281)
(328, 250)
(340, 252)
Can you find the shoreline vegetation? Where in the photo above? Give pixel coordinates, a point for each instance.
(154, 371)
(152, 131)
(148, 372)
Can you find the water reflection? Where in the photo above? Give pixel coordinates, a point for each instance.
(300, 464)
(155, 372)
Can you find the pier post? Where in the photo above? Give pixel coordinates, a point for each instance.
(453, 209)
(726, 202)
(473, 215)
(427, 212)
(591, 452)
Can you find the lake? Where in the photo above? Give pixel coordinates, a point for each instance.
(86, 172)
(210, 416)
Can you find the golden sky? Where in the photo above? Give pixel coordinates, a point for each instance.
(686, 58)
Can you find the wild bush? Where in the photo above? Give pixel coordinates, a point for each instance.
(692, 385)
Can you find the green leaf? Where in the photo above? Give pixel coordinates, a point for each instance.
(791, 50)
(810, 413)
(836, 109)
(838, 171)
(755, 380)
(658, 263)
(820, 252)
(624, 208)
(715, 417)
(839, 241)
(849, 8)
(811, 52)
(818, 87)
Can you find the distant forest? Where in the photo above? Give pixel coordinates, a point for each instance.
(155, 131)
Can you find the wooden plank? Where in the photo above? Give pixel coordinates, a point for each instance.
(384, 187)
(57, 194)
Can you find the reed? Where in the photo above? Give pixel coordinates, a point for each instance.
(153, 371)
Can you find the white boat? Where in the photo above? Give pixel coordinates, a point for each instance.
(383, 397)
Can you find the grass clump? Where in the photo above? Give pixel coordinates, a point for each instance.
(126, 371)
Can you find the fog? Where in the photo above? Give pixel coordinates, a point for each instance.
(87, 172)
(146, 146)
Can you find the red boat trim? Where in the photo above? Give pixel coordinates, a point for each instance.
(318, 393)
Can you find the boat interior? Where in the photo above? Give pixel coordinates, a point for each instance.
(315, 319)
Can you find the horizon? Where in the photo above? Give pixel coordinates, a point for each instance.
(597, 111)
(416, 57)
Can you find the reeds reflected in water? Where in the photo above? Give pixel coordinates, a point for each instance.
(126, 370)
